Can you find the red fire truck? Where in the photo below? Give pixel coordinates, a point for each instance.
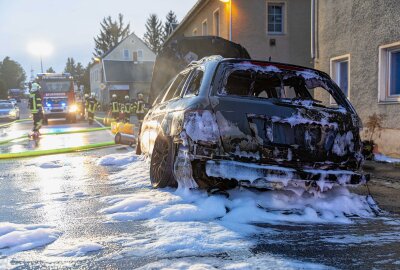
(58, 95)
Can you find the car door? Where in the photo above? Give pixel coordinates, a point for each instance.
(159, 117)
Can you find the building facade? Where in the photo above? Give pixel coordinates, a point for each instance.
(126, 69)
(269, 29)
(358, 44)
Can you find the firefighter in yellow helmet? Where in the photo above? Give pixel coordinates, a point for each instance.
(126, 108)
(91, 106)
(115, 108)
(35, 106)
(140, 107)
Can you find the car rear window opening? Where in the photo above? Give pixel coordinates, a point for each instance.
(248, 80)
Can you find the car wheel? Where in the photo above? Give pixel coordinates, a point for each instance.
(162, 163)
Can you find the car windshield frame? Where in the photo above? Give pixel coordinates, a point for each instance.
(227, 66)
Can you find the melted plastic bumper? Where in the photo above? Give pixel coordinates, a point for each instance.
(270, 176)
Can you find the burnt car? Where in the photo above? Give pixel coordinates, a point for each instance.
(223, 122)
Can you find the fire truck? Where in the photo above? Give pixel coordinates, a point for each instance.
(58, 96)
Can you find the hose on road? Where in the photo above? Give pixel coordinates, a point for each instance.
(13, 122)
(57, 133)
(56, 151)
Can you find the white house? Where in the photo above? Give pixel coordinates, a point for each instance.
(125, 69)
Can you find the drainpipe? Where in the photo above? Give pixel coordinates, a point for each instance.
(313, 31)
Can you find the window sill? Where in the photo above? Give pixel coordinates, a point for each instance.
(275, 34)
(388, 102)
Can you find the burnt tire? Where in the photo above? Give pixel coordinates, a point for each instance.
(162, 163)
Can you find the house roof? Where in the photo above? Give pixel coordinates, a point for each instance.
(127, 71)
(112, 48)
(188, 17)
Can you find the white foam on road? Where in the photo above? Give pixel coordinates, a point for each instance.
(247, 263)
(117, 160)
(383, 158)
(184, 222)
(78, 250)
(18, 237)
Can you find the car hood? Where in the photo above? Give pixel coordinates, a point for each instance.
(178, 53)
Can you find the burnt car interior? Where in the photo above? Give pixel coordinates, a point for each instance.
(249, 83)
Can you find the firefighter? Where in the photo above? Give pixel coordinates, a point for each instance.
(115, 108)
(127, 109)
(91, 106)
(83, 105)
(140, 107)
(35, 105)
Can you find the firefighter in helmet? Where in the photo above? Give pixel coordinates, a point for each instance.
(91, 106)
(127, 107)
(140, 107)
(35, 106)
(115, 108)
(83, 105)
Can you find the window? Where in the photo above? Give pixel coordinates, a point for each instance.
(140, 54)
(193, 88)
(204, 28)
(389, 73)
(126, 54)
(176, 86)
(216, 22)
(275, 18)
(340, 72)
(394, 73)
(194, 33)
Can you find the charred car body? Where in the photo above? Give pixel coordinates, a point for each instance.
(223, 122)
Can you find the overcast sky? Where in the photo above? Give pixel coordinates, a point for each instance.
(70, 26)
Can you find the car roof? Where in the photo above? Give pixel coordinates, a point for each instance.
(217, 58)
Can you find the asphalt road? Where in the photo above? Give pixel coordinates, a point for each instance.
(101, 201)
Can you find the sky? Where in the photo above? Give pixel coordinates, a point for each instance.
(69, 26)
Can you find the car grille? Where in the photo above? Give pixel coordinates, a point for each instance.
(57, 110)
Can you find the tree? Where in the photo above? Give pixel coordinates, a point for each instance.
(170, 20)
(50, 70)
(3, 90)
(154, 33)
(12, 75)
(77, 71)
(85, 80)
(70, 66)
(111, 33)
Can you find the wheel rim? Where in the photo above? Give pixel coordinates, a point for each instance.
(159, 161)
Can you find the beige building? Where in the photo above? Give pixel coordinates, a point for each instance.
(276, 29)
(124, 70)
(358, 44)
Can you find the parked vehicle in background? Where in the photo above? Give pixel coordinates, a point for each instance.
(16, 94)
(224, 122)
(58, 96)
(9, 111)
(13, 101)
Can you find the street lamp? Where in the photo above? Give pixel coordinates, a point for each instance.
(230, 16)
(40, 48)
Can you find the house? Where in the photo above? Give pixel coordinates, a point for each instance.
(358, 43)
(124, 70)
(269, 29)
